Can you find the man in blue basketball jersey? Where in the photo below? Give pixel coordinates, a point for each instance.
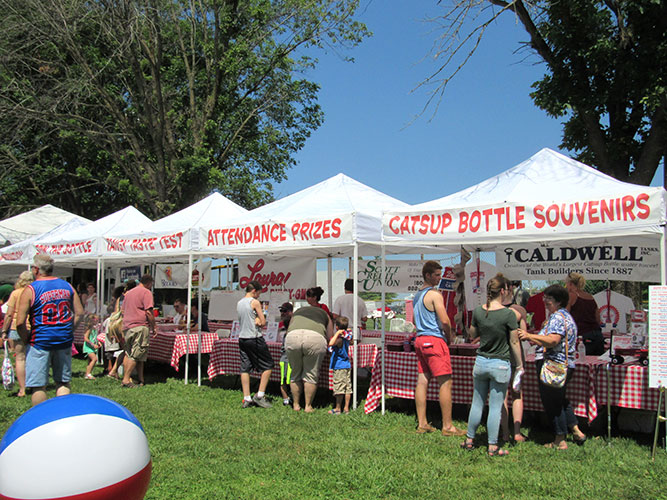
(54, 309)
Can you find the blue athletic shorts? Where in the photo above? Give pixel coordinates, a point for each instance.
(38, 361)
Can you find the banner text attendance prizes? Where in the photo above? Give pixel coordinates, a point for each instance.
(333, 229)
(517, 218)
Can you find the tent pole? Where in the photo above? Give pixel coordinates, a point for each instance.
(329, 283)
(355, 323)
(383, 283)
(200, 313)
(187, 342)
(663, 265)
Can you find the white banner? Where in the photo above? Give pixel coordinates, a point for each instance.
(176, 275)
(86, 248)
(522, 221)
(626, 259)
(168, 243)
(289, 274)
(326, 231)
(401, 276)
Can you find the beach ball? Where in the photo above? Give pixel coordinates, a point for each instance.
(78, 446)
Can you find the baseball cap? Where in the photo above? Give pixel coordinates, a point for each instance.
(286, 307)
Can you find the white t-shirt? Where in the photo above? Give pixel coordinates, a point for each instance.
(613, 310)
(179, 317)
(344, 306)
(475, 282)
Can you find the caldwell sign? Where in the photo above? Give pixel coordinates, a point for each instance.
(636, 259)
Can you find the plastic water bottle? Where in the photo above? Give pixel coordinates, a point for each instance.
(581, 350)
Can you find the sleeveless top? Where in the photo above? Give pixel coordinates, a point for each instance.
(425, 320)
(247, 327)
(52, 314)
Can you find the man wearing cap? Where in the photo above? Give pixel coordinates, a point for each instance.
(55, 309)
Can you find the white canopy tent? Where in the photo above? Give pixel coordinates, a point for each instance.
(173, 239)
(338, 217)
(18, 257)
(34, 223)
(547, 198)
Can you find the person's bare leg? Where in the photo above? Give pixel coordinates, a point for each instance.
(245, 384)
(63, 389)
(309, 393)
(128, 367)
(420, 400)
(445, 397)
(297, 390)
(348, 397)
(517, 417)
(264, 380)
(38, 395)
(19, 350)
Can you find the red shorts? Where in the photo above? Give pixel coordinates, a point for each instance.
(432, 356)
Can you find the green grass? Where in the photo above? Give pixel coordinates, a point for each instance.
(204, 446)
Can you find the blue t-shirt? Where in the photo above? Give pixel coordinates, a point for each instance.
(52, 314)
(340, 356)
(561, 323)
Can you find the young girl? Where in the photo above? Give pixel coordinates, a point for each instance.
(90, 345)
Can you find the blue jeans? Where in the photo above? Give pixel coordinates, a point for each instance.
(491, 378)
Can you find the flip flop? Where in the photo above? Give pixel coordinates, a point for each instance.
(334, 412)
(455, 432)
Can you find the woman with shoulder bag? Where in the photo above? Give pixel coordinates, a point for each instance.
(555, 356)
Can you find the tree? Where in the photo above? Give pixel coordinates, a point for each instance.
(606, 74)
(156, 102)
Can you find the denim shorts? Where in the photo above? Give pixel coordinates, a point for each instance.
(14, 335)
(38, 361)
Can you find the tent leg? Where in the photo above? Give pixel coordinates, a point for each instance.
(355, 325)
(187, 343)
(384, 305)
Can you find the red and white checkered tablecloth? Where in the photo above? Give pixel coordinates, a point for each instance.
(79, 332)
(388, 336)
(225, 360)
(168, 347)
(401, 379)
(628, 388)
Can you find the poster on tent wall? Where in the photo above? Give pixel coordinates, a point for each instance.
(129, 273)
(657, 340)
(624, 259)
(288, 274)
(176, 275)
(512, 220)
(279, 234)
(400, 276)
(163, 244)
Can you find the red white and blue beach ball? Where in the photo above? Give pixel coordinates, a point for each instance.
(75, 447)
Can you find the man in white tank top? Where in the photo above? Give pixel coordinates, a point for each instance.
(253, 350)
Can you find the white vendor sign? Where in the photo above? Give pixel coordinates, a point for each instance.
(400, 276)
(292, 275)
(626, 259)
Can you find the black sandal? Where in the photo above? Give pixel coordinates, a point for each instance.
(498, 452)
(468, 445)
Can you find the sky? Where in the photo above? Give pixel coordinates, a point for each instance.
(486, 122)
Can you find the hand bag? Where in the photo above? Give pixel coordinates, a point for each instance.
(554, 373)
(7, 371)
